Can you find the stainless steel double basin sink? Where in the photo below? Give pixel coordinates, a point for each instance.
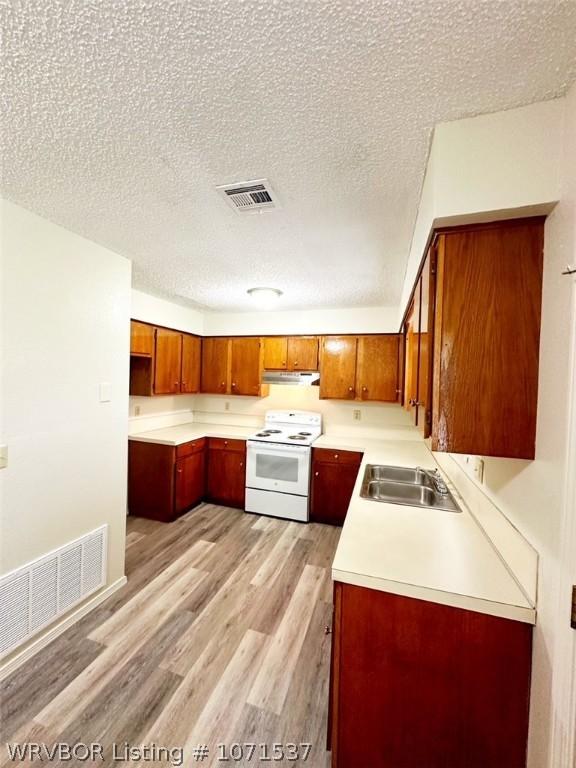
(411, 486)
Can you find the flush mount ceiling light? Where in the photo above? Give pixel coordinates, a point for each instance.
(264, 298)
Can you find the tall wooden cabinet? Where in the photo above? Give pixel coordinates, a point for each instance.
(472, 339)
(359, 367)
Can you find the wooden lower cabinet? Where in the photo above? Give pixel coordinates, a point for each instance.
(334, 475)
(417, 684)
(164, 480)
(227, 472)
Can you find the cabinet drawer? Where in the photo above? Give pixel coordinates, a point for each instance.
(224, 444)
(187, 449)
(329, 456)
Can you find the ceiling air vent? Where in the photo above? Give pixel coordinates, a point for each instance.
(249, 196)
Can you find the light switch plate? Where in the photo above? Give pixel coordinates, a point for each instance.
(3, 456)
(105, 392)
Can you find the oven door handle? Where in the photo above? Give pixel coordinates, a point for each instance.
(258, 447)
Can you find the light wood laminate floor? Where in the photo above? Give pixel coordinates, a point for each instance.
(217, 637)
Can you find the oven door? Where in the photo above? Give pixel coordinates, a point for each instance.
(280, 468)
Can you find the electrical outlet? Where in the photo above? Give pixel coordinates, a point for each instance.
(356, 414)
(226, 406)
(3, 456)
(478, 468)
(137, 410)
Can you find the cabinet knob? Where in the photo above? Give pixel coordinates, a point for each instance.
(316, 474)
(176, 383)
(183, 383)
(364, 389)
(283, 362)
(336, 455)
(241, 464)
(350, 389)
(327, 630)
(233, 384)
(179, 471)
(295, 362)
(225, 442)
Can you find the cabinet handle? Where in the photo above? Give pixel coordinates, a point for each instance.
(327, 630)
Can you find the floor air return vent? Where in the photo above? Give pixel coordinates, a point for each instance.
(38, 593)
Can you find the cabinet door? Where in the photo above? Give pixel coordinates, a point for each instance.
(411, 352)
(422, 685)
(191, 354)
(487, 339)
(303, 353)
(426, 344)
(190, 481)
(338, 367)
(246, 366)
(332, 486)
(141, 339)
(214, 379)
(227, 477)
(151, 480)
(377, 370)
(168, 362)
(275, 353)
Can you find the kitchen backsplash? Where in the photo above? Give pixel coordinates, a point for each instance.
(385, 419)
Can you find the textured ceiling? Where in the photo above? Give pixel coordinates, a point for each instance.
(121, 116)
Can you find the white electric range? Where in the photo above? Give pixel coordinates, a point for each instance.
(278, 464)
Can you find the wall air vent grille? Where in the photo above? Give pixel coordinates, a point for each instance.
(249, 196)
(39, 592)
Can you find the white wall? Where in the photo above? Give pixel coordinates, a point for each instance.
(488, 167)
(316, 321)
(151, 309)
(64, 318)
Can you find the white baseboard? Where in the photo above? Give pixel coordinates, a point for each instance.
(53, 632)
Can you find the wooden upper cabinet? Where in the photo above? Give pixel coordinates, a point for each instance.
(487, 335)
(246, 366)
(275, 353)
(215, 367)
(426, 343)
(141, 338)
(168, 362)
(338, 367)
(377, 368)
(191, 363)
(303, 353)
(411, 354)
(293, 353)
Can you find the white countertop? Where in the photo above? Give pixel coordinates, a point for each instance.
(184, 433)
(442, 557)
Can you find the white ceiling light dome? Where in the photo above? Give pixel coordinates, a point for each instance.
(264, 298)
